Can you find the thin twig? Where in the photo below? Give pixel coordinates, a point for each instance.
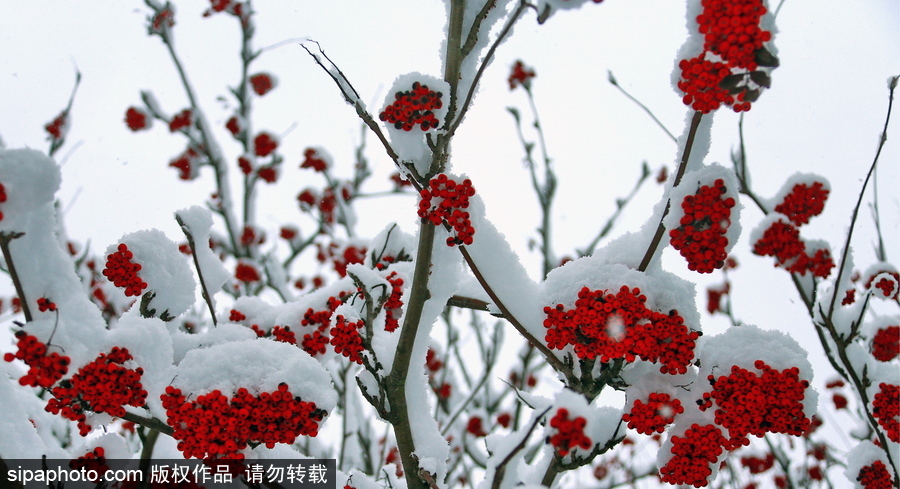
(682, 166)
(203, 290)
(615, 83)
(862, 191)
(5, 239)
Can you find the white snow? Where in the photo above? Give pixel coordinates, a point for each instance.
(198, 221)
(164, 269)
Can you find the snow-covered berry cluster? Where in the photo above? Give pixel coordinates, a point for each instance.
(693, 454)
(700, 80)
(726, 71)
(569, 433)
(137, 119)
(731, 30)
(413, 108)
(884, 281)
(750, 403)
(122, 272)
(104, 385)
(654, 415)
(886, 344)
(875, 476)
(264, 144)
(619, 325)
(886, 409)
(262, 83)
(780, 235)
(216, 427)
(44, 368)
(187, 164)
(701, 235)
(454, 197)
(181, 120)
(803, 202)
(312, 159)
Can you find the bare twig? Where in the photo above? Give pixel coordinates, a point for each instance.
(682, 166)
(615, 83)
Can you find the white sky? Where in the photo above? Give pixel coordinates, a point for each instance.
(823, 114)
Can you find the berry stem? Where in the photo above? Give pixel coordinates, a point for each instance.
(682, 166)
(5, 239)
(555, 362)
(204, 291)
(504, 33)
(615, 83)
(151, 423)
(862, 191)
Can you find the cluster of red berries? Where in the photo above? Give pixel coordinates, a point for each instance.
(103, 386)
(264, 144)
(216, 427)
(875, 476)
(731, 30)
(652, 417)
(346, 340)
(520, 75)
(181, 120)
(886, 409)
(185, 164)
(714, 296)
(782, 240)
(886, 344)
(262, 83)
(453, 198)
(246, 272)
(317, 342)
(393, 303)
(45, 304)
(162, 21)
(619, 325)
(57, 128)
(732, 51)
(122, 272)
(693, 454)
(43, 369)
(340, 259)
(95, 460)
(700, 80)
(748, 403)
(475, 426)
(757, 465)
(413, 108)
(277, 333)
(887, 287)
(700, 236)
(312, 160)
(569, 433)
(137, 119)
(803, 202)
